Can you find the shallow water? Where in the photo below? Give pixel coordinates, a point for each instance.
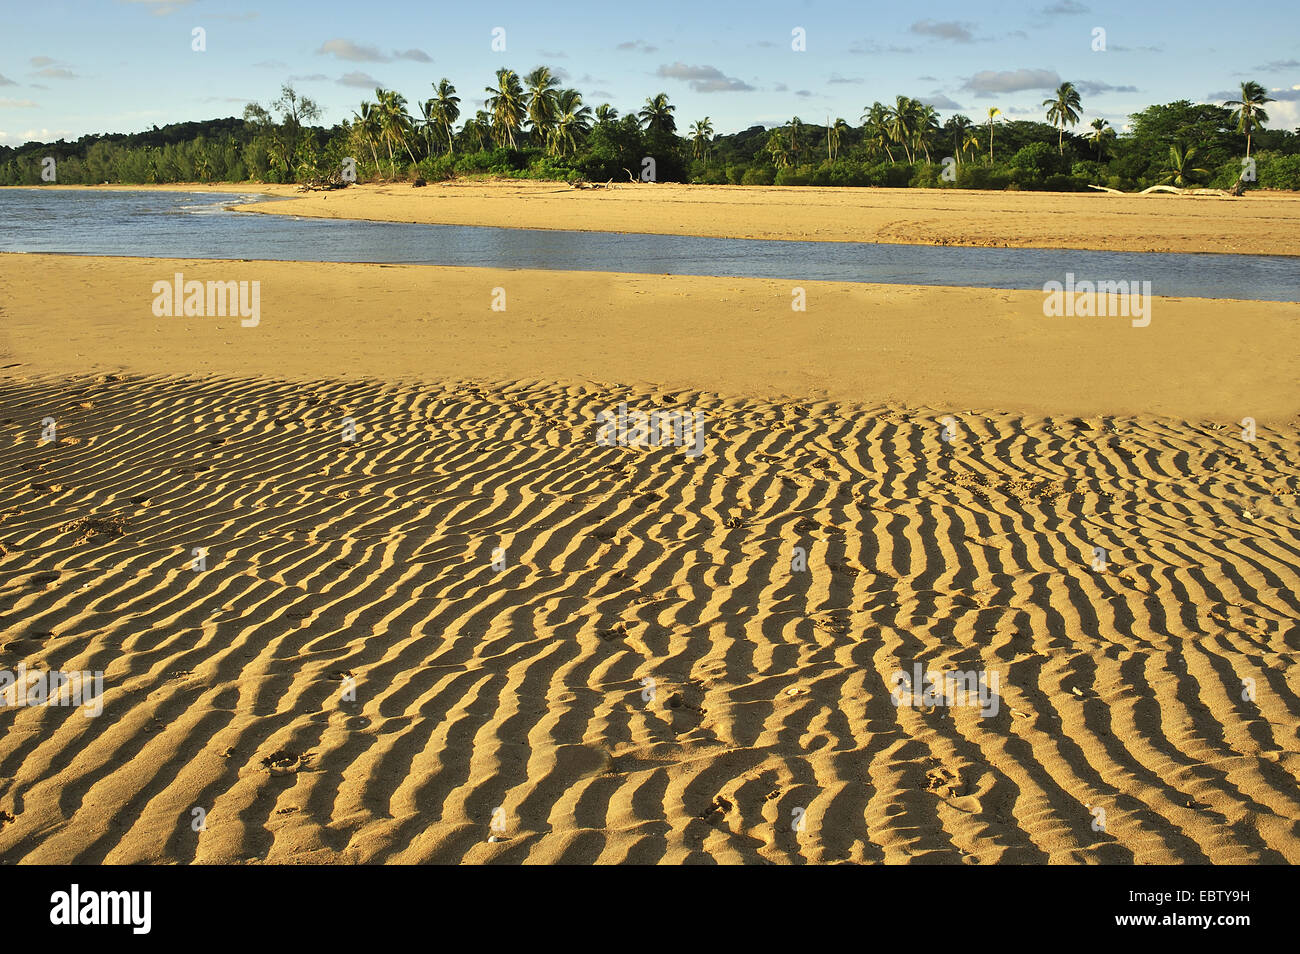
(198, 225)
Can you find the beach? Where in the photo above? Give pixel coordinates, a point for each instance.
(370, 581)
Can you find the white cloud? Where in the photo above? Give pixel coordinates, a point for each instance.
(343, 49)
(703, 79)
(944, 30)
(359, 79)
(1011, 81)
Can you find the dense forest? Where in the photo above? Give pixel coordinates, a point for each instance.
(532, 128)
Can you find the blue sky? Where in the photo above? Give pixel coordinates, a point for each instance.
(69, 67)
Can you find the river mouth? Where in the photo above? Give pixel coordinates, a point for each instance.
(201, 225)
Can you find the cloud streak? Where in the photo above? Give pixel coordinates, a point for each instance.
(351, 52)
(703, 79)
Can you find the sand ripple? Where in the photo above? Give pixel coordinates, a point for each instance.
(369, 566)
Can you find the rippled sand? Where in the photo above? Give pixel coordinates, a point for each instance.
(516, 678)
(476, 633)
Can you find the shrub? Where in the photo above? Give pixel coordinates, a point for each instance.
(1062, 183)
(758, 175)
(1035, 162)
(1278, 172)
(971, 176)
(436, 168)
(793, 177)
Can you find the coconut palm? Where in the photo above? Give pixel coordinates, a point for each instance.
(367, 129)
(441, 112)
(657, 114)
(834, 136)
(1063, 110)
(875, 126)
(701, 133)
(1181, 172)
(777, 148)
(506, 105)
(994, 113)
(570, 118)
(902, 124)
(540, 106)
(395, 125)
(476, 130)
(606, 113)
(927, 122)
(1101, 134)
(959, 126)
(1249, 113)
(970, 141)
(796, 139)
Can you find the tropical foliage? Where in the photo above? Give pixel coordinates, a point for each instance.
(531, 125)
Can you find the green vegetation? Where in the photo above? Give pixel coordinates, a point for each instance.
(534, 128)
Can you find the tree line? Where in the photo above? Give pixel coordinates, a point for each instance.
(531, 126)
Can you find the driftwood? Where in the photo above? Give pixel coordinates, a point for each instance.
(1236, 190)
(327, 183)
(418, 184)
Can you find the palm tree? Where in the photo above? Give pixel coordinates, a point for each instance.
(970, 141)
(1102, 133)
(1249, 114)
(606, 113)
(657, 114)
(776, 148)
(1063, 111)
(927, 121)
(477, 129)
(796, 134)
(442, 111)
(902, 124)
(959, 126)
(540, 103)
(701, 133)
(1181, 171)
(994, 113)
(394, 123)
(367, 128)
(570, 117)
(875, 125)
(506, 104)
(834, 135)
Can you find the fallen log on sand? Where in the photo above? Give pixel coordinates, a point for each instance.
(325, 183)
(1236, 190)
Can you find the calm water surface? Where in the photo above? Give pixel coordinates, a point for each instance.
(198, 225)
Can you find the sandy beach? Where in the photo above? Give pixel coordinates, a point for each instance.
(462, 628)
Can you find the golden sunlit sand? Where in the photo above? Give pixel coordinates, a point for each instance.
(614, 653)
